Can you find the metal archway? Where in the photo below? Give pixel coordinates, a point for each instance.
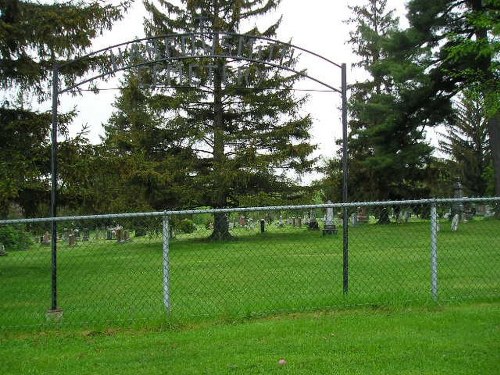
(157, 50)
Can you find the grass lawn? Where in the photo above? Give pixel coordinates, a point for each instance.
(238, 307)
(453, 339)
(103, 283)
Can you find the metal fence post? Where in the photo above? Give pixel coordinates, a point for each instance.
(434, 252)
(166, 263)
(54, 308)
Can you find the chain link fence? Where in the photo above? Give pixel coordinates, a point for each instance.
(248, 261)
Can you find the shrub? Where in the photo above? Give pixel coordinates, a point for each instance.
(14, 238)
(186, 226)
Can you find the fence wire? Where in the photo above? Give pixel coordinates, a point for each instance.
(248, 261)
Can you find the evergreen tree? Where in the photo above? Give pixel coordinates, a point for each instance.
(33, 37)
(466, 141)
(389, 154)
(457, 43)
(150, 165)
(246, 134)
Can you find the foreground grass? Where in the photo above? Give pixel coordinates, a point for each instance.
(457, 339)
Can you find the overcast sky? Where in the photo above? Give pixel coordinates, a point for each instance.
(316, 25)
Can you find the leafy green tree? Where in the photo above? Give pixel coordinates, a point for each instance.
(246, 133)
(466, 141)
(33, 37)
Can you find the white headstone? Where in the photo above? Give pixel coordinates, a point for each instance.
(329, 215)
(454, 222)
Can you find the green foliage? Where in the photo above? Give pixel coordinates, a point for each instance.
(14, 239)
(34, 37)
(458, 45)
(388, 152)
(466, 141)
(220, 142)
(185, 226)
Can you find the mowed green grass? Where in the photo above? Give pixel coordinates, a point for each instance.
(103, 283)
(452, 339)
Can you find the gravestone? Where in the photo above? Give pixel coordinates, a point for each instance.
(454, 222)
(362, 215)
(280, 222)
(262, 225)
(313, 223)
(85, 234)
(46, 239)
(458, 207)
(329, 225)
(71, 239)
(354, 219)
(299, 222)
(119, 233)
(110, 234)
(2, 250)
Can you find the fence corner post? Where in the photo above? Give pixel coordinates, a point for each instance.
(166, 263)
(434, 252)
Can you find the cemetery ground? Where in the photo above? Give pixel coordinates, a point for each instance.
(240, 306)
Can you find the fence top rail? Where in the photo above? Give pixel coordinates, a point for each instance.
(252, 209)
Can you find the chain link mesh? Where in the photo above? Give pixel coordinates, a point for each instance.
(245, 262)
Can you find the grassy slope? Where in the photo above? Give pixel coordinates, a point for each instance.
(458, 339)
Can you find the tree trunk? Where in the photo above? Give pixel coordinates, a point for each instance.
(221, 223)
(494, 133)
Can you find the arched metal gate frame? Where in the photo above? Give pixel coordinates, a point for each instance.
(56, 92)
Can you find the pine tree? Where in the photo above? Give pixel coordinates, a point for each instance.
(457, 43)
(466, 141)
(247, 133)
(388, 150)
(33, 37)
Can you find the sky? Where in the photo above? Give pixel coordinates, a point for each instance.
(316, 25)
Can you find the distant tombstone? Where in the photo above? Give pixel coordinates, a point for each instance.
(481, 210)
(262, 225)
(384, 216)
(362, 215)
(65, 234)
(2, 250)
(280, 221)
(243, 221)
(46, 239)
(71, 240)
(458, 207)
(85, 234)
(313, 223)
(294, 221)
(126, 236)
(454, 222)
(329, 225)
(119, 233)
(76, 232)
(354, 219)
(110, 235)
(299, 222)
